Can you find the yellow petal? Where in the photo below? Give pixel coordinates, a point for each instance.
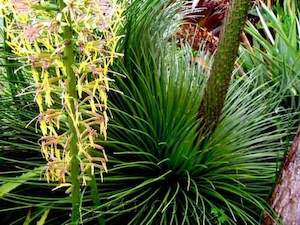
(43, 126)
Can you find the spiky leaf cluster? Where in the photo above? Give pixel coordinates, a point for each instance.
(160, 173)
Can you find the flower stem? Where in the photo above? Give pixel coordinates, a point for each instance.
(95, 197)
(222, 67)
(68, 61)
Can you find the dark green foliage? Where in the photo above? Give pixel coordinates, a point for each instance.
(159, 174)
(8, 66)
(158, 171)
(276, 50)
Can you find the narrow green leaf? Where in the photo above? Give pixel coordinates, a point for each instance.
(265, 26)
(43, 218)
(28, 217)
(11, 185)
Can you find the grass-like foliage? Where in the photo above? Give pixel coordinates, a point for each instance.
(275, 51)
(159, 171)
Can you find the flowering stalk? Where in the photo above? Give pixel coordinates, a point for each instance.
(68, 49)
(222, 67)
(68, 61)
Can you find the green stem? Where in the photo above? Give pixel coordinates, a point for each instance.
(68, 61)
(95, 197)
(222, 67)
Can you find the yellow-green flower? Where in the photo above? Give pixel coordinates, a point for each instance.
(35, 34)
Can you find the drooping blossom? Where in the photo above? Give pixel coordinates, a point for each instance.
(32, 32)
(21, 6)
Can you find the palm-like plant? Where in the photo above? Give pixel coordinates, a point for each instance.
(160, 174)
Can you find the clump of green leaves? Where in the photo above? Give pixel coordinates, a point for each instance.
(219, 215)
(160, 173)
(275, 50)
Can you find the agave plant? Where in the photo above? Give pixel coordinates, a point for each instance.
(159, 173)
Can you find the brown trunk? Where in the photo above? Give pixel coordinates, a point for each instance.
(285, 198)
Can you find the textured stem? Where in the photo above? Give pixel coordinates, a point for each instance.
(95, 197)
(68, 61)
(222, 67)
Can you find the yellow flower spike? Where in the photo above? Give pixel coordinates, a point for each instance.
(82, 67)
(101, 175)
(80, 147)
(35, 47)
(85, 178)
(36, 36)
(67, 102)
(23, 18)
(77, 124)
(105, 68)
(105, 125)
(57, 174)
(48, 98)
(102, 130)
